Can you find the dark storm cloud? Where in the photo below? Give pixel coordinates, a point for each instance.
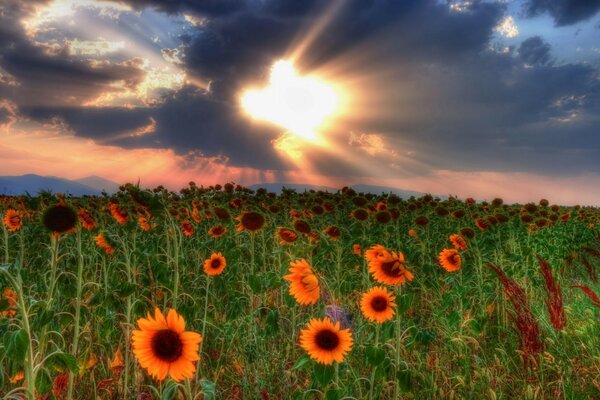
(534, 51)
(564, 12)
(46, 75)
(189, 120)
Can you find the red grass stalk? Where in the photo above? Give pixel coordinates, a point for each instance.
(590, 293)
(554, 301)
(530, 337)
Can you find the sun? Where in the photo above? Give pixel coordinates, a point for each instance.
(300, 104)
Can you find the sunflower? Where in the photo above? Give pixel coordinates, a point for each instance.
(163, 348)
(481, 224)
(383, 216)
(187, 228)
(377, 305)
(144, 224)
(304, 283)
(11, 297)
(359, 214)
(118, 213)
(250, 221)
(458, 242)
(450, 260)
(325, 342)
(387, 267)
(356, 249)
(59, 218)
(286, 235)
(215, 264)
(103, 243)
(333, 232)
(217, 231)
(302, 226)
(86, 219)
(412, 233)
(13, 220)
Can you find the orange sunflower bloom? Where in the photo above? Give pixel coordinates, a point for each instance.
(387, 267)
(450, 260)
(458, 242)
(481, 224)
(250, 221)
(19, 376)
(377, 305)
(286, 235)
(13, 220)
(187, 228)
(144, 224)
(163, 347)
(325, 342)
(215, 264)
(86, 219)
(356, 249)
(11, 297)
(304, 283)
(101, 242)
(412, 233)
(217, 231)
(118, 213)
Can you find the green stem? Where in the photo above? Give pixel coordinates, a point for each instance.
(372, 382)
(6, 254)
(77, 311)
(203, 323)
(398, 344)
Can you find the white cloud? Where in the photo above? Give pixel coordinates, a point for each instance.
(507, 27)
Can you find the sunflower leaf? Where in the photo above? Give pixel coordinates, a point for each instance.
(375, 355)
(208, 389)
(324, 373)
(302, 362)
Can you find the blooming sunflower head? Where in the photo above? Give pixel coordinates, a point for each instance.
(286, 235)
(458, 242)
(87, 221)
(250, 221)
(450, 260)
(215, 264)
(217, 231)
(163, 347)
(377, 305)
(387, 267)
(11, 298)
(304, 284)
(13, 220)
(59, 218)
(325, 342)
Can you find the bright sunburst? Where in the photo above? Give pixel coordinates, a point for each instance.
(299, 104)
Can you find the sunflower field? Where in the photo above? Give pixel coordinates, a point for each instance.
(223, 292)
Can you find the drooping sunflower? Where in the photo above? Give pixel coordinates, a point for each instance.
(103, 243)
(59, 218)
(286, 236)
(13, 220)
(387, 267)
(377, 304)
(215, 264)
(450, 260)
(482, 224)
(302, 226)
(144, 224)
(217, 231)
(11, 297)
(87, 221)
(458, 242)
(118, 213)
(163, 347)
(333, 232)
(250, 221)
(304, 283)
(325, 342)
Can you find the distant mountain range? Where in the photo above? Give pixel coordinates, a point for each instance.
(33, 184)
(94, 185)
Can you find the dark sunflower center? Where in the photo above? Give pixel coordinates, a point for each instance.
(379, 303)
(392, 268)
(215, 263)
(167, 345)
(327, 340)
(252, 221)
(452, 259)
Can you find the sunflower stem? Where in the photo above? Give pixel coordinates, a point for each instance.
(6, 253)
(203, 323)
(372, 381)
(398, 343)
(77, 311)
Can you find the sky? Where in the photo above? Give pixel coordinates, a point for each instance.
(469, 98)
